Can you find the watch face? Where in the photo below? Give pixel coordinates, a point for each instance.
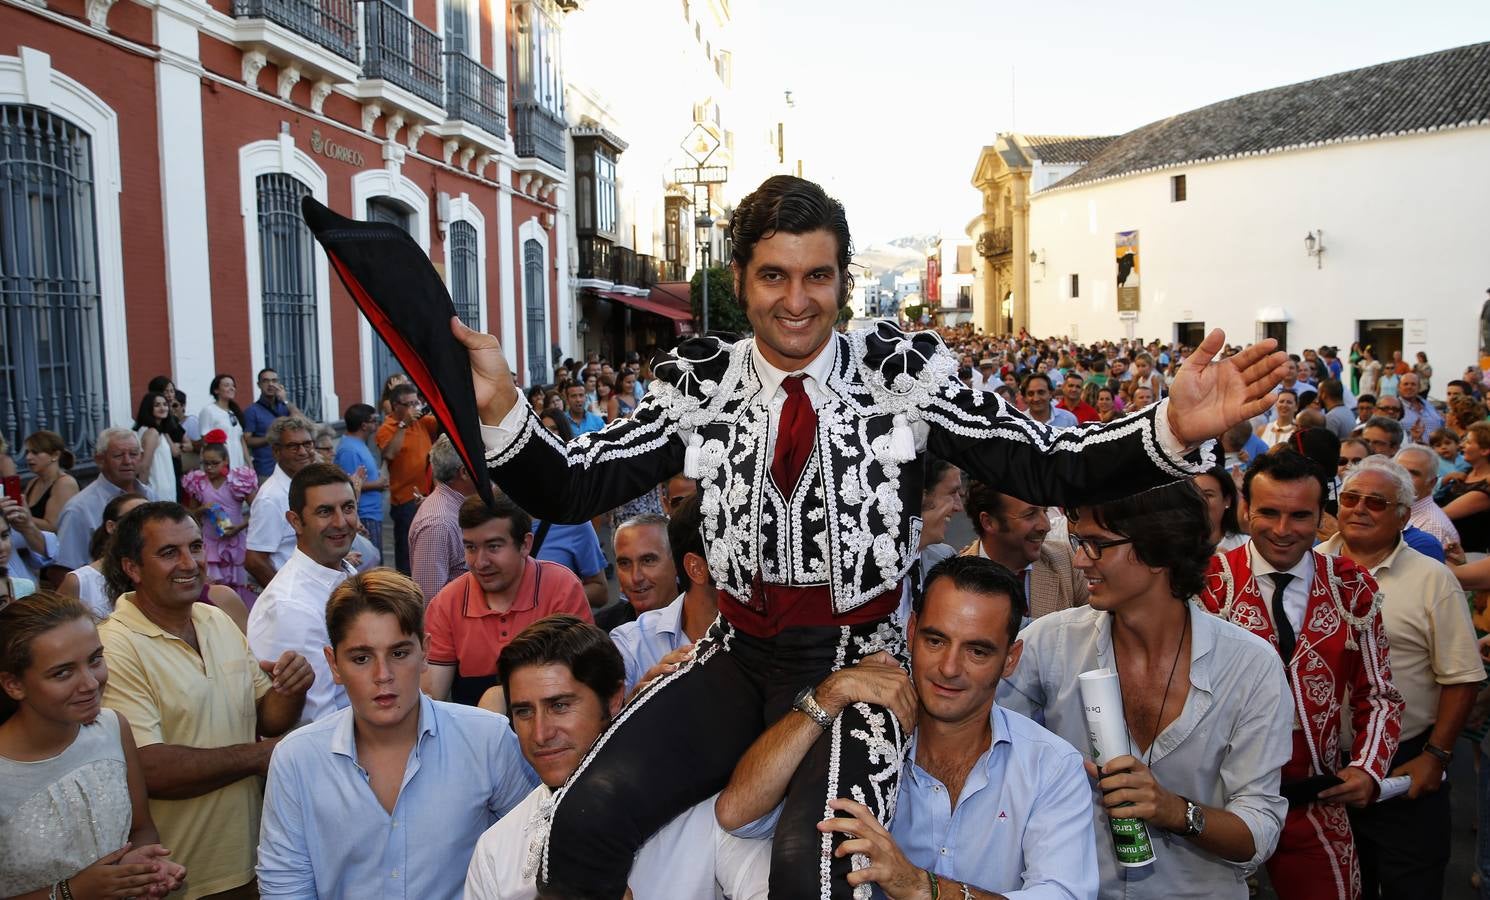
(801, 695)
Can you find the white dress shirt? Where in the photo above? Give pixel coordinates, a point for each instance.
(1295, 596)
(691, 858)
(291, 615)
(268, 530)
(1226, 749)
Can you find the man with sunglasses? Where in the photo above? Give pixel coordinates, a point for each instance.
(1206, 704)
(1280, 589)
(1403, 844)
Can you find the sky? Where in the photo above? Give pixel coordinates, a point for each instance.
(894, 100)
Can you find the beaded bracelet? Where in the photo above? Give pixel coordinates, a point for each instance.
(936, 888)
(65, 890)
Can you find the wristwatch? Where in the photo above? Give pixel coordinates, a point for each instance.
(807, 703)
(1194, 819)
(1443, 756)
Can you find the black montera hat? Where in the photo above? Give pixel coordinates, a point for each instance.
(391, 280)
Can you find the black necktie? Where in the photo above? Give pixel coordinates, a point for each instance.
(1286, 638)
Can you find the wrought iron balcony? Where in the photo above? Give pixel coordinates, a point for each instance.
(595, 258)
(400, 51)
(474, 94)
(996, 242)
(329, 23)
(536, 132)
(622, 265)
(646, 271)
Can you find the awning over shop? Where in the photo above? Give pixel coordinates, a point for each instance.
(664, 305)
(1273, 314)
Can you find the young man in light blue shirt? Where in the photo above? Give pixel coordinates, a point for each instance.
(387, 797)
(990, 804)
(581, 420)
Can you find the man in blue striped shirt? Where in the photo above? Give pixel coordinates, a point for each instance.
(990, 804)
(387, 797)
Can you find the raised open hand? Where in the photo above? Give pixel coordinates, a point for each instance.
(1209, 397)
(496, 391)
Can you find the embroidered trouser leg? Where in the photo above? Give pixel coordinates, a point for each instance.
(677, 742)
(1315, 859)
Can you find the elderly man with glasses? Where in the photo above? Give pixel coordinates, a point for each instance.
(1403, 844)
(271, 538)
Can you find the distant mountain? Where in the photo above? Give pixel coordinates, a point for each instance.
(905, 254)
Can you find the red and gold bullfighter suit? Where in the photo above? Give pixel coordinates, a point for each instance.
(1341, 647)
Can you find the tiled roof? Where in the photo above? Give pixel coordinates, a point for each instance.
(1448, 89)
(1060, 149)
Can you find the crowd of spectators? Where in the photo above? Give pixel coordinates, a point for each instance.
(212, 609)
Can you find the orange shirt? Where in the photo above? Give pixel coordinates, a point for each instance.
(410, 468)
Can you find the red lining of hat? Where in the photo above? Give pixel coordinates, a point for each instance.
(405, 355)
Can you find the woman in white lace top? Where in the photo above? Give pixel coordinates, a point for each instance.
(74, 820)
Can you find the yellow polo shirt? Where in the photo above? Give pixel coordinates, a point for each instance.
(173, 695)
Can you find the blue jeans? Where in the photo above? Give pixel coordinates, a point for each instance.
(374, 532)
(403, 517)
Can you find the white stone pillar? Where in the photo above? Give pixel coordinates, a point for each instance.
(183, 190)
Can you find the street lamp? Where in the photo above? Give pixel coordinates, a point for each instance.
(1314, 246)
(704, 226)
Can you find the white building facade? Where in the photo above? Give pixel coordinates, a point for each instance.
(1393, 185)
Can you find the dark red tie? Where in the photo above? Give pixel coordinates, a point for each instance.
(795, 435)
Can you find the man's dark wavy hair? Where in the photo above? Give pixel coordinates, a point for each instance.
(1170, 528)
(785, 203)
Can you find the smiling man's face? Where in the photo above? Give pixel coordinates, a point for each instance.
(790, 290)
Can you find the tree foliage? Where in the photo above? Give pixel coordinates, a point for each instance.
(725, 311)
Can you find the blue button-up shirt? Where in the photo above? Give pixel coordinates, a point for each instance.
(644, 642)
(324, 833)
(1023, 825)
(256, 421)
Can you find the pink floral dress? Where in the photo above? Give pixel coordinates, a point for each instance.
(224, 555)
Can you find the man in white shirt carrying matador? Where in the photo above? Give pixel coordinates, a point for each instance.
(804, 443)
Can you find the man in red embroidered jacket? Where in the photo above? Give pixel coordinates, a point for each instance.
(1323, 613)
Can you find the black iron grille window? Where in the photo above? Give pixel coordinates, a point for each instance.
(465, 291)
(52, 366)
(287, 276)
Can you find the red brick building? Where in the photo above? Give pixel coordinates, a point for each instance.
(152, 158)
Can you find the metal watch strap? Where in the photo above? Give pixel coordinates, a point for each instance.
(807, 703)
(1194, 818)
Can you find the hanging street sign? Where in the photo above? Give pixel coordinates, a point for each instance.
(700, 144)
(701, 175)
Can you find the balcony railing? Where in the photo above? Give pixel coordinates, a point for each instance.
(474, 93)
(330, 23)
(670, 271)
(622, 265)
(646, 271)
(595, 258)
(399, 50)
(995, 242)
(536, 132)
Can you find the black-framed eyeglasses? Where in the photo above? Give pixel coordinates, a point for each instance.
(301, 446)
(1093, 547)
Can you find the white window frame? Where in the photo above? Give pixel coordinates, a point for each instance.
(30, 79)
(367, 186)
(265, 158)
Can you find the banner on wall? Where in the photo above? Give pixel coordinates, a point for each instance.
(1128, 281)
